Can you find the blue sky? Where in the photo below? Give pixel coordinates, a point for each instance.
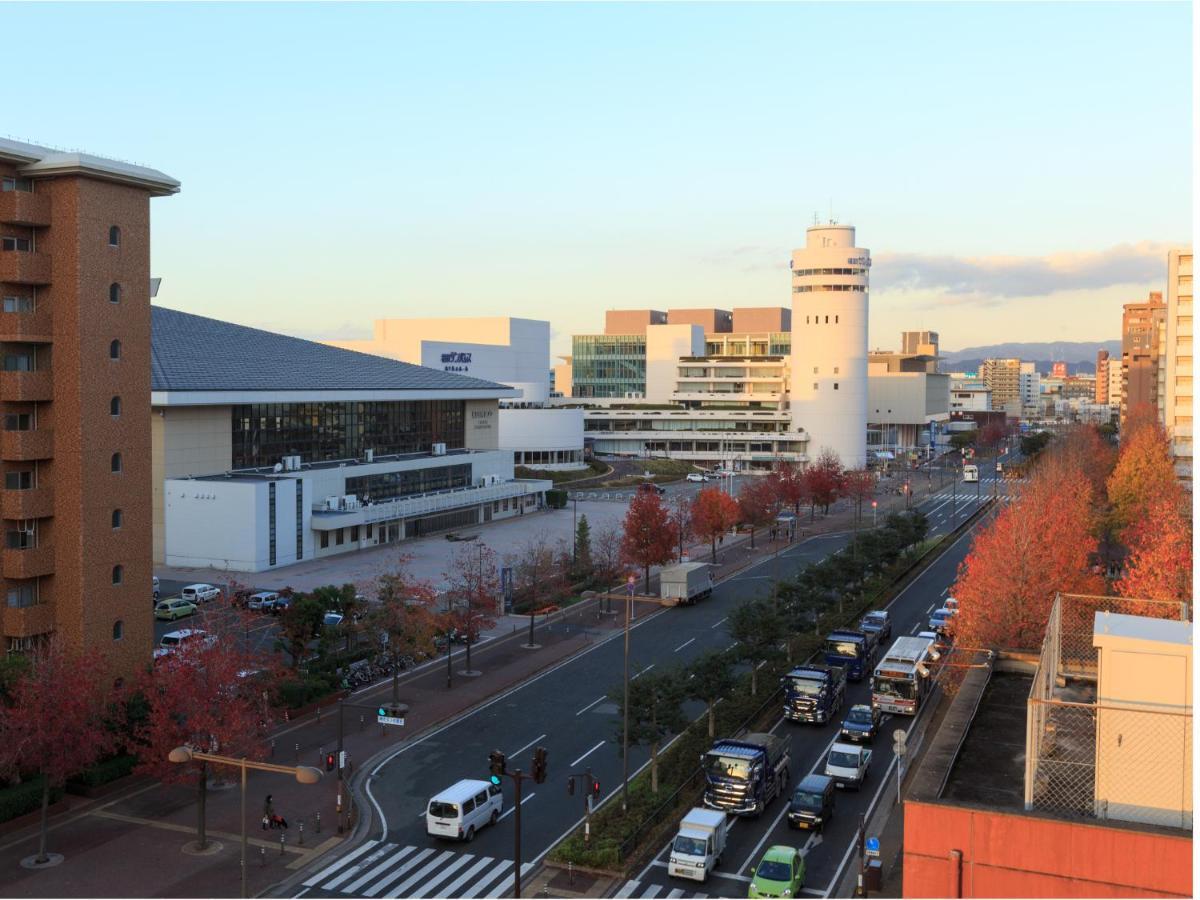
(347, 162)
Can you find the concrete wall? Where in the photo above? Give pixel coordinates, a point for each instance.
(541, 429)
(713, 321)
(632, 321)
(761, 318)
(906, 397)
(664, 345)
(1014, 855)
(186, 440)
(482, 425)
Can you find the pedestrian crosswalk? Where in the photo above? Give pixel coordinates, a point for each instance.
(386, 870)
(638, 889)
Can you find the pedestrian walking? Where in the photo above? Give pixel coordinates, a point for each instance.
(268, 819)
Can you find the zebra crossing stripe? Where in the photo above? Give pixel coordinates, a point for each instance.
(501, 887)
(329, 870)
(398, 874)
(424, 872)
(375, 871)
(627, 890)
(652, 890)
(448, 890)
(497, 875)
(675, 894)
(430, 889)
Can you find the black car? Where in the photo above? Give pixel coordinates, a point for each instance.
(811, 805)
(653, 488)
(861, 723)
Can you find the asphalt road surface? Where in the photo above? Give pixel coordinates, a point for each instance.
(566, 710)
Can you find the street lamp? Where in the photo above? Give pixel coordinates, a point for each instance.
(303, 774)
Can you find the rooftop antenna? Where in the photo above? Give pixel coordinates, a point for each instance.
(816, 217)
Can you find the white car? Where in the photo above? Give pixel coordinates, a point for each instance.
(200, 593)
(184, 637)
(263, 600)
(695, 476)
(155, 587)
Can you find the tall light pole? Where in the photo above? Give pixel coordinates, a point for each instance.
(625, 711)
(303, 774)
(574, 531)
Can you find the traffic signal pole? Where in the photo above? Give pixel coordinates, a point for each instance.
(499, 767)
(517, 778)
(392, 708)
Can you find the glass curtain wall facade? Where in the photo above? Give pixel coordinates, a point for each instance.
(389, 485)
(264, 433)
(608, 365)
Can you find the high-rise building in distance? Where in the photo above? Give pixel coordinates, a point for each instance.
(1177, 397)
(1141, 352)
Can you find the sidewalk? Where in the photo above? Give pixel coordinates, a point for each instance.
(137, 840)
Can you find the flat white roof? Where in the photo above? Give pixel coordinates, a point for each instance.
(1140, 628)
(36, 161)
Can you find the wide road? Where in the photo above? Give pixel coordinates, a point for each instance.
(566, 710)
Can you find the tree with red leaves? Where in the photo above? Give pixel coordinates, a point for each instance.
(1160, 563)
(1038, 544)
(681, 519)
(208, 694)
(758, 504)
(403, 621)
(714, 512)
(859, 486)
(792, 486)
(53, 724)
(474, 587)
(648, 536)
(824, 481)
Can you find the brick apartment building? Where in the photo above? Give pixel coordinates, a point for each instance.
(75, 392)
(1143, 327)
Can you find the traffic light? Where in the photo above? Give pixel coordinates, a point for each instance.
(539, 765)
(570, 786)
(595, 790)
(498, 765)
(329, 762)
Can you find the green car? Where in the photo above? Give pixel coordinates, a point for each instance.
(780, 874)
(170, 610)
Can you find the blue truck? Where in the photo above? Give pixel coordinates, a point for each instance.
(813, 693)
(742, 775)
(853, 650)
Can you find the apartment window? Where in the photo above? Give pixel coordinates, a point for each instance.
(18, 481)
(114, 236)
(341, 536)
(835, 385)
(117, 518)
(114, 350)
(324, 540)
(118, 630)
(353, 534)
(22, 595)
(19, 362)
(836, 369)
(271, 523)
(18, 304)
(835, 320)
(816, 370)
(18, 422)
(16, 184)
(118, 574)
(114, 293)
(16, 243)
(114, 407)
(827, 320)
(116, 462)
(814, 385)
(300, 519)
(370, 532)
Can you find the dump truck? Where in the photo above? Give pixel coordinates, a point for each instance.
(744, 774)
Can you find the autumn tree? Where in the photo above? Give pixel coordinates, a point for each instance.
(711, 678)
(681, 519)
(403, 620)
(758, 504)
(648, 538)
(759, 627)
(607, 555)
(1143, 477)
(714, 512)
(208, 695)
(539, 578)
(655, 712)
(473, 588)
(859, 486)
(53, 722)
(825, 481)
(1160, 562)
(1037, 545)
(789, 480)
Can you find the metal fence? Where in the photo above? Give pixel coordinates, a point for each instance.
(1093, 760)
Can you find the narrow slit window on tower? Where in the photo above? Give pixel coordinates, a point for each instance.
(827, 320)
(835, 385)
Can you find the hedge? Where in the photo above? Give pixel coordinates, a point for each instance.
(556, 499)
(300, 692)
(102, 773)
(25, 798)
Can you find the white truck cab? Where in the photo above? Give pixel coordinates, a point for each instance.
(847, 764)
(698, 846)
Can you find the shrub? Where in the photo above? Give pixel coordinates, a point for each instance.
(556, 499)
(102, 773)
(24, 798)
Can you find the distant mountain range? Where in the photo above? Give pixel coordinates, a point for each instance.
(1080, 356)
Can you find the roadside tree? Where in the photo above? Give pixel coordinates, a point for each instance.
(403, 621)
(648, 537)
(758, 505)
(655, 712)
(825, 481)
(299, 623)
(1143, 477)
(1160, 562)
(473, 591)
(759, 628)
(539, 579)
(711, 679)
(714, 512)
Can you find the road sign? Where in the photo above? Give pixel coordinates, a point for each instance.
(389, 720)
(872, 846)
(899, 735)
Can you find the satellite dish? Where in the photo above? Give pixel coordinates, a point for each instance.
(278, 467)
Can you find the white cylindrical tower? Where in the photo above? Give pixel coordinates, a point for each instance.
(829, 343)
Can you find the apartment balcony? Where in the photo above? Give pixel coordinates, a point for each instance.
(35, 503)
(24, 208)
(21, 267)
(31, 563)
(27, 621)
(29, 327)
(27, 387)
(22, 446)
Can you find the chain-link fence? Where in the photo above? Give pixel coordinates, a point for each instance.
(1085, 759)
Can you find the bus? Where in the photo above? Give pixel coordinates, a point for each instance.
(970, 473)
(903, 679)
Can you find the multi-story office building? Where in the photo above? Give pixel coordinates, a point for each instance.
(1003, 378)
(1177, 394)
(921, 343)
(1102, 363)
(1029, 383)
(1116, 386)
(75, 388)
(968, 393)
(268, 450)
(1141, 351)
(907, 399)
(830, 283)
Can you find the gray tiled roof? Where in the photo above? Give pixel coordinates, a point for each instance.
(194, 353)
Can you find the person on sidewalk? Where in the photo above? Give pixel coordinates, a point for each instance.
(268, 819)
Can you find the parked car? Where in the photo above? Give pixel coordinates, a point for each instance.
(155, 587)
(184, 637)
(175, 608)
(281, 604)
(861, 723)
(652, 487)
(780, 873)
(951, 604)
(262, 601)
(812, 803)
(695, 476)
(332, 617)
(200, 593)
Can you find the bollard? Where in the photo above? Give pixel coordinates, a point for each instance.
(272, 748)
(297, 752)
(318, 823)
(318, 712)
(301, 834)
(282, 841)
(262, 852)
(362, 722)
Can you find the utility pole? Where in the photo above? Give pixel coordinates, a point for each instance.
(625, 716)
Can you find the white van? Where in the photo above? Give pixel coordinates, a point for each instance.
(461, 810)
(200, 593)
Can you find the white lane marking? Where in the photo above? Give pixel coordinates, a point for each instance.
(508, 812)
(371, 873)
(527, 746)
(915, 628)
(675, 894)
(945, 589)
(884, 782)
(628, 888)
(930, 609)
(643, 671)
(345, 860)
(722, 622)
(423, 872)
(652, 891)
(589, 753)
(441, 875)
(684, 644)
(448, 890)
(399, 873)
(590, 705)
(497, 890)
(502, 872)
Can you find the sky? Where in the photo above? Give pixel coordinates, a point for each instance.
(1018, 171)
